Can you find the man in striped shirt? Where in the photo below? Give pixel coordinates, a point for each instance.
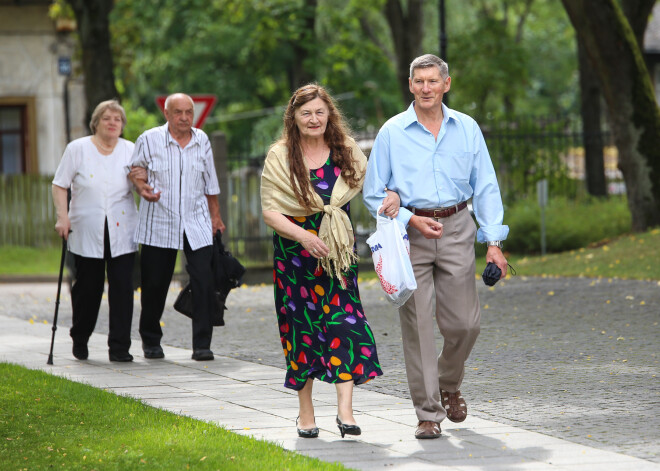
(172, 169)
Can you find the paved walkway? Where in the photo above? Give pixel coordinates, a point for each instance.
(245, 395)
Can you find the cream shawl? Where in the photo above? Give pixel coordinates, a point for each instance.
(335, 230)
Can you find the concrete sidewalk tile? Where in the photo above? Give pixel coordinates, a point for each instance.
(259, 421)
(505, 462)
(394, 410)
(632, 464)
(567, 453)
(274, 382)
(230, 413)
(170, 395)
(353, 452)
(262, 398)
(284, 402)
(290, 408)
(447, 448)
(403, 464)
(194, 400)
(291, 441)
(475, 424)
(156, 390)
(220, 386)
(212, 383)
(508, 463)
(257, 374)
(366, 418)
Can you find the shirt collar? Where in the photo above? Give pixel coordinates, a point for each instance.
(409, 116)
(194, 139)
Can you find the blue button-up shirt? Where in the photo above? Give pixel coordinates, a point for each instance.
(433, 173)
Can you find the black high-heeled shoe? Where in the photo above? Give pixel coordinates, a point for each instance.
(347, 429)
(307, 432)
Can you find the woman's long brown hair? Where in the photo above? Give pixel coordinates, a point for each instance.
(335, 136)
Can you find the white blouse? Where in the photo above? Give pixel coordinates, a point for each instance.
(100, 189)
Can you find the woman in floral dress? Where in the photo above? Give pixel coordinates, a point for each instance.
(310, 176)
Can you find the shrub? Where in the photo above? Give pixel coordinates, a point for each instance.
(568, 224)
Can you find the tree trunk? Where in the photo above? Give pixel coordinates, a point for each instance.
(407, 31)
(610, 43)
(94, 32)
(594, 166)
(638, 12)
(299, 73)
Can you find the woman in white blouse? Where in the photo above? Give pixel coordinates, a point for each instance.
(99, 227)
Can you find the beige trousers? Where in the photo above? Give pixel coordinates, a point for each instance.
(444, 269)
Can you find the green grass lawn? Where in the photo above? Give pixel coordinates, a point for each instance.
(16, 260)
(635, 256)
(47, 422)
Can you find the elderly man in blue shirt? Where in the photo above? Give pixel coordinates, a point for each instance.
(436, 159)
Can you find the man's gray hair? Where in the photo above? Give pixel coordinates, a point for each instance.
(429, 60)
(177, 95)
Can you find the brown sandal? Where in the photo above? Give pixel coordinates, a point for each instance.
(454, 404)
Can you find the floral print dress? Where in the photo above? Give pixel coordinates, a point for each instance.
(323, 329)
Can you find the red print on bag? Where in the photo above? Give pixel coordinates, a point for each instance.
(389, 288)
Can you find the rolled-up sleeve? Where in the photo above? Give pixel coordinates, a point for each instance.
(487, 199)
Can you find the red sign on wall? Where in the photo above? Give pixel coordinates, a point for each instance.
(203, 106)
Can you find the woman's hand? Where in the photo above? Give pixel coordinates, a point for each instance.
(63, 227)
(314, 245)
(285, 228)
(63, 223)
(391, 204)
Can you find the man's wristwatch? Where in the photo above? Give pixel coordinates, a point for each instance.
(496, 243)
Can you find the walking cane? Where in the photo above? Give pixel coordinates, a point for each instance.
(57, 302)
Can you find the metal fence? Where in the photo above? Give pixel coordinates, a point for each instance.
(525, 150)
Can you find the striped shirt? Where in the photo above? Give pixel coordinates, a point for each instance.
(184, 177)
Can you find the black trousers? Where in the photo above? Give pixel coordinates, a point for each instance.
(87, 291)
(157, 266)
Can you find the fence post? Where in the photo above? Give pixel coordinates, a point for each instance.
(219, 146)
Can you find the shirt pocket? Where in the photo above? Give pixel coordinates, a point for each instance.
(199, 166)
(159, 174)
(199, 173)
(457, 164)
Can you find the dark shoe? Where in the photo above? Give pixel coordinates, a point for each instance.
(427, 429)
(122, 357)
(307, 432)
(153, 352)
(346, 429)
(80, 350)
(202, 354)
(454, 404)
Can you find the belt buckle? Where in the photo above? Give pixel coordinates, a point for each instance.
(445, 212)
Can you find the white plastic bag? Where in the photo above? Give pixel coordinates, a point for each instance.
(390, 250)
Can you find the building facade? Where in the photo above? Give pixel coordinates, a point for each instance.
(36, 95)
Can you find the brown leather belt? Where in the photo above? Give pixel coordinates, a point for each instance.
(441, 212)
